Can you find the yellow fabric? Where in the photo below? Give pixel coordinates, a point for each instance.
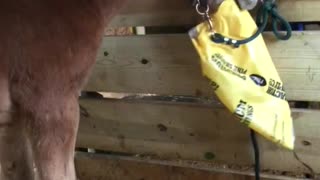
(245, 78)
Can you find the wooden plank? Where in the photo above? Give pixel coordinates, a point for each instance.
(169, 64)
(156, 12)
(111, 167)
(192, 133)
(180, 12)
(300, 10)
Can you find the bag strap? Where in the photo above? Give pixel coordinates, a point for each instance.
(268, 8)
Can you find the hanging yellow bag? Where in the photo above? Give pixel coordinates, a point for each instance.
(244, 77)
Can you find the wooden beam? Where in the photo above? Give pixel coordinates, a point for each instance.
(112, 167)
(299, 10)
(169, 64)
(192, 133)
(180, 12)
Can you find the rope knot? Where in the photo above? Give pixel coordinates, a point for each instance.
(269, 6)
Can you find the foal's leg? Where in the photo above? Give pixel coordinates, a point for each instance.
(53, 123)
(14, 156)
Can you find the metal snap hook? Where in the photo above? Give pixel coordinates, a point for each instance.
(202, 13)
(205, 14)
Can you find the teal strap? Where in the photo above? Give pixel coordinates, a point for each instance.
(266, 9)
(270, 8)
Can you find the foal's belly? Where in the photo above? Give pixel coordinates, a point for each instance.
(49, 45)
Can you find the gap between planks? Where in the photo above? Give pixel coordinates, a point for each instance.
(113, 167)
(190, 132)
(169, 65)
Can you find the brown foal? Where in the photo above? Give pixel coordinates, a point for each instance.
(47, 50)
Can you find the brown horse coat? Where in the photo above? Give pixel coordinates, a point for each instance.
(47, 49)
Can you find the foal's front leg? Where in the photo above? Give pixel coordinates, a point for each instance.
(52, 129)
(15, 160)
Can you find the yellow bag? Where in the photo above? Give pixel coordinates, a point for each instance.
(244, 78)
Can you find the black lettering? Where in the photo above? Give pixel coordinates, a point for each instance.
(242, 102)
(282, 95)
(229, 65)
(240, 110)
(214, 85)
(276, 93)
(244, 71)
(214, 59)
(218, 56)
(239, 70)
(271, 82)
(219, 64)
(270, 90)
(250, 113)
(278, 86)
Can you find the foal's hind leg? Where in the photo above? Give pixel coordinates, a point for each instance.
(14, 156)
(52, 128)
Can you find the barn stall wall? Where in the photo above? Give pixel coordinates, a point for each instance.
(169, 111)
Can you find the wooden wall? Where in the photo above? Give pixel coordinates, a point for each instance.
(179, 12)
(112, 167)
(167, 65)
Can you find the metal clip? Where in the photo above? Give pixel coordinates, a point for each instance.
(205, 14)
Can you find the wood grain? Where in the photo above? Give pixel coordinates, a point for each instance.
(180, 12)
(169, 64)
(111, 167)
(192, 132)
